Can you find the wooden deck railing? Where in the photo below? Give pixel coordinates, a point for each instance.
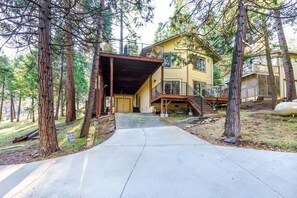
(184, 89)
(195, 98)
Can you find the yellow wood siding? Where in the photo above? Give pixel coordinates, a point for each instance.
(144, 94)
(172, 106)
(185, 73)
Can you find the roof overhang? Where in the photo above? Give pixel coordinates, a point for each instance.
(130, 72)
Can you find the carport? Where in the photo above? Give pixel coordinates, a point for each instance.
(122, 74)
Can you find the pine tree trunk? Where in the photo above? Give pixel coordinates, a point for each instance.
(48, 142)
(60, 90)
(269, 64)
(232, 124)
(11, 108)
(87, 119)
(2, 98)
(77, 103)
(62, 102)
(70, 89)
(19, 109)
(14, 112)
(289, 73)
(33, 112)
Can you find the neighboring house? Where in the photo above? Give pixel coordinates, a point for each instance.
(172, 75)
(255, 81)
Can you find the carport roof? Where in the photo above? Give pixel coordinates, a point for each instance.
(130, 72)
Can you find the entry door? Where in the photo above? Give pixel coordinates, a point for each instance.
(123, 105)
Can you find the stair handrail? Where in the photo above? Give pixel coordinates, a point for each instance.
(198, 105)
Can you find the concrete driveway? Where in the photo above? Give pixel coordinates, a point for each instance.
(161, 161)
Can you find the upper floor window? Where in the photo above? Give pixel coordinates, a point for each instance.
(170, 60)
(199, 63)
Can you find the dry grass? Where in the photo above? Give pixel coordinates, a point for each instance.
(260, 129)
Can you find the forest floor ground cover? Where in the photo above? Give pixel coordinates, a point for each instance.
(27, 151)
(260, 129)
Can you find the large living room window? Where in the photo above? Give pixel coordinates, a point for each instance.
(199, 63)
(170, 60)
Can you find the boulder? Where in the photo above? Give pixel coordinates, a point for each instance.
(286, 108)
(230, 140)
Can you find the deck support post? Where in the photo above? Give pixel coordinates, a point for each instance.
(162, 108)
(166, 107)
(111, 86)
(201, 105)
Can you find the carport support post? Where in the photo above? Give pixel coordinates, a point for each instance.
(162, 92)
(97, 89)
(162, 79)
(150, 88)
(111, 85)
(101, 92)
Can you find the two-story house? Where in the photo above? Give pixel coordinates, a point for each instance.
(255, 81)
(187, 71)
(175, 74)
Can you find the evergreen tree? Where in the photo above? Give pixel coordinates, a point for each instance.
(5, 71)
(161, 32)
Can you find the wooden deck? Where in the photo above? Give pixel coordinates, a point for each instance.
(172, 97)
(214, 99)
(217, 102)
(206, 104)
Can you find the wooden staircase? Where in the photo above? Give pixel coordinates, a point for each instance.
(201, 105)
